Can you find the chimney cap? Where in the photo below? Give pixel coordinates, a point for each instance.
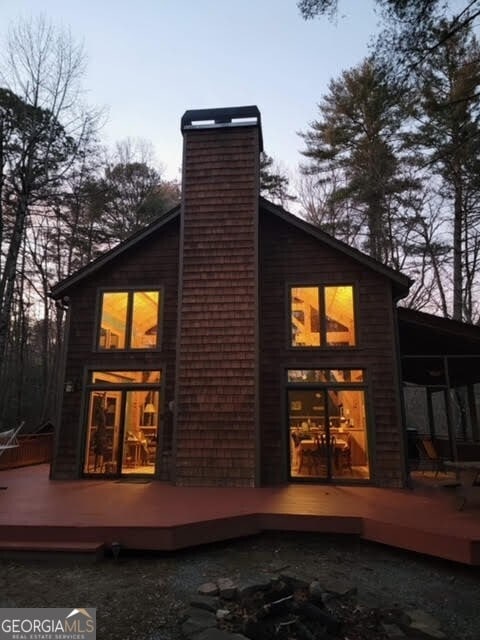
(221, 118)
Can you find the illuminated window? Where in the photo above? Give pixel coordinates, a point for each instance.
(129, 320)
(322, 316)
(327, 418)
(123, 422)
(339, 376)
(125, 377)
(144, 320)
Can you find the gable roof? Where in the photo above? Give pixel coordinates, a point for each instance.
(61, 287)
(401, 283)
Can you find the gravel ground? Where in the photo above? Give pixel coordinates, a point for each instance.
(144, 597)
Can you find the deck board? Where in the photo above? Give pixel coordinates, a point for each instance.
(158, 516)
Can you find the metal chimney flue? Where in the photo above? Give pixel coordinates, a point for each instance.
(246, 116)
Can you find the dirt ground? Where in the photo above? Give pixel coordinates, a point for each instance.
(144, 597)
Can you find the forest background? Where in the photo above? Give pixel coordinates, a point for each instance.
(390, 165)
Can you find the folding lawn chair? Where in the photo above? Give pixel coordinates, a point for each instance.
(9, 439)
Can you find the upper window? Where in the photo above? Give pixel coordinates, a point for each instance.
(129, 320)
(322, 316)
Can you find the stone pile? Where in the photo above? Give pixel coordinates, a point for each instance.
(290, 607)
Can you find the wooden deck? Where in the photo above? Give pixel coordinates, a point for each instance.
(36, 513)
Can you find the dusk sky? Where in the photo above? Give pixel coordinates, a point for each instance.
(149, 61)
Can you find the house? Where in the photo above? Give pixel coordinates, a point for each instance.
(231, 343)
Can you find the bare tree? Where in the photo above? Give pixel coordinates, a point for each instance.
(319, 207)
(43, 128)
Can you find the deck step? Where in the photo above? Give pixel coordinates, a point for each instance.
(21, 548)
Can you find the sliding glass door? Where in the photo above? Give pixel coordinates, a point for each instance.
(123, 429)
(327, 427)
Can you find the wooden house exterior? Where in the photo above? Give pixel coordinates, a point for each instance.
(231, 343)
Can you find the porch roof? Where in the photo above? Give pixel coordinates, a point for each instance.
(426, 340)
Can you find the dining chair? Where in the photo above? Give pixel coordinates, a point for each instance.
(319, 456)
(429, 456)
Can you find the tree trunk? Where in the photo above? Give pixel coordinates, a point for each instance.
(7, 282)
(457, 252)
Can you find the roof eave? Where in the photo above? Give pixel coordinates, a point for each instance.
(449, 326)
(401, 282)
(61, 288)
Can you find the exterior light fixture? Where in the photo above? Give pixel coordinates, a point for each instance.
(70, 386)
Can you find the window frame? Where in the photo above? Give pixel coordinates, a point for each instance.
(310, 385)
(128, 318)
(90, 386)
(322, 315)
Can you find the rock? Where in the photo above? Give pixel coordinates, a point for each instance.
(279, 589)
(246, 589)
(296, 581)
(316, 593)
(339, 587)
(226, 588)
(208, 603)
(393, 632)
(221, 614)
(208, 589)
(198, 620)
(423, 624)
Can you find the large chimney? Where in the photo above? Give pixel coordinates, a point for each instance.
(216, 401)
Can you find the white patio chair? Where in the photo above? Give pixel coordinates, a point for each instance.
(9, 438)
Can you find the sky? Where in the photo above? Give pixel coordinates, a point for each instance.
(148, 61)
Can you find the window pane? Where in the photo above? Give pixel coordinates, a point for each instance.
(348, 431)
(346, 375)
(144, 320)
(305, 317)
(340, 322)
(307, 430)
(308, 375)
(102, 437)
(321, 448)
(126, 377)
(140, 432)
(325, 375)
(114, 319)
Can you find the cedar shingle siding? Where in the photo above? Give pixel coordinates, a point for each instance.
(225, 269)
(217, 354)
(290, 256)
(158, 257)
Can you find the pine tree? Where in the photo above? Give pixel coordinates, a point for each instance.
(357, 141)
(448, 138)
